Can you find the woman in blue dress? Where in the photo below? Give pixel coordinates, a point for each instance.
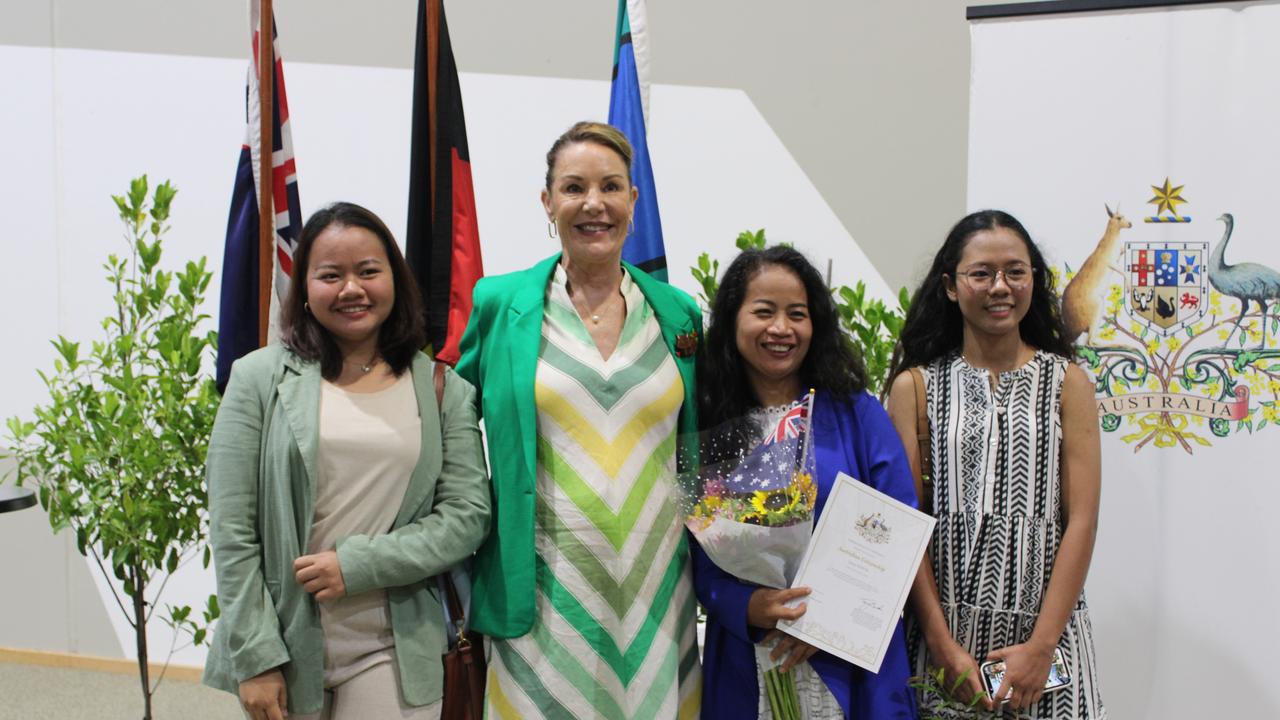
(773, 335)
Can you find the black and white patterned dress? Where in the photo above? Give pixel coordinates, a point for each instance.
(997, 495)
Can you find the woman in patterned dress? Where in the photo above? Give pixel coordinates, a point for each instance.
(1016, 472)
(584, 365)
(773, 335)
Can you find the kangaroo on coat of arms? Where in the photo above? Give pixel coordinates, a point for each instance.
(1167, 357)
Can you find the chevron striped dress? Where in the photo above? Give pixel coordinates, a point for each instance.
(997, 495)
(614, 635)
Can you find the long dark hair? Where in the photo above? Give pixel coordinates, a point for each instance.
(401, 336)
(934, 326)
(831, 365)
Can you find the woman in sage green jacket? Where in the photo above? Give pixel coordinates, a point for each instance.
(338, 489)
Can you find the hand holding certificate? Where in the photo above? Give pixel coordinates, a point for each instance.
(860, 564)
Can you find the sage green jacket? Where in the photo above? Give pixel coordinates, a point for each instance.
(261, 475)
(500, 357)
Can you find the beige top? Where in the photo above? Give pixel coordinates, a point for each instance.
(369, 445)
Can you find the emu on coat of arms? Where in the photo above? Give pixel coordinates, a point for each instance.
(1168, 351)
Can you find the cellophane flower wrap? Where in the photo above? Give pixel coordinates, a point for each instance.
(750, 506)
(750, 502)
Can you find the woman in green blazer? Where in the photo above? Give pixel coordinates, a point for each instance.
(338, 489)
(585, 371)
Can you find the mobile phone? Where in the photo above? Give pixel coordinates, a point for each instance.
(1059, 677)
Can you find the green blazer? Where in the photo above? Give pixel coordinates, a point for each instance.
(261, 475)
(500, 357)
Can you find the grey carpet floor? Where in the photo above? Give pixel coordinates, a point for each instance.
(31, 692)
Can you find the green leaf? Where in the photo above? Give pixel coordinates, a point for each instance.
(123, 206)
(137, 193)
(160, 202)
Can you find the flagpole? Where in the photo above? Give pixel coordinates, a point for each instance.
(433, 76)
(266, 216)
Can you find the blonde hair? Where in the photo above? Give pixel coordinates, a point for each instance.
(587, 131)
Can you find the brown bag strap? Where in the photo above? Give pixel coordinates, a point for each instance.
(923, 441)
(451, 599)
(437, 379)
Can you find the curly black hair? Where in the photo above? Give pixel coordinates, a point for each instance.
(402, 335)
(832, 364)
(934, 327)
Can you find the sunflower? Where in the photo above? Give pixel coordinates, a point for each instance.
(760, 503)
(793, 496)
(803, 482)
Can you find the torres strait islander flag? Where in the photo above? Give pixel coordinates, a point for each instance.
(629, 112)
(442, 241)
(239, 312)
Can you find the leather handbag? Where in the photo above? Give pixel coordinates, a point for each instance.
(464, 662)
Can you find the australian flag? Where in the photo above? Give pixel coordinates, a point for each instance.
(762, 452)
(243, 324)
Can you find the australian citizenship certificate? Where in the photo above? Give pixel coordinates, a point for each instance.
(860, 565)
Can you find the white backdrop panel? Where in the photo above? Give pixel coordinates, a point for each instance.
(1071, 112)
(88, 123)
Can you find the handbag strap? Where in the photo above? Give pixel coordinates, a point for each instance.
(446, 578)
(437, 379)
(923, 441)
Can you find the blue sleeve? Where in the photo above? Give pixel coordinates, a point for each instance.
(886, 461)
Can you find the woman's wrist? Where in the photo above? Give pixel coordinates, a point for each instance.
(938, 640)
(1042, 646)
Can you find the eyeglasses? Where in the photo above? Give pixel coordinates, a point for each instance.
(981, 278)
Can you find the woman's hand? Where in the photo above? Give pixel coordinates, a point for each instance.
(956, 661)
(1026, 668)
(320, 575)
(796, 651)
(767, 606)
(263, 696)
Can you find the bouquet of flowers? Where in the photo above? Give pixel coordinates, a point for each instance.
(750, 507)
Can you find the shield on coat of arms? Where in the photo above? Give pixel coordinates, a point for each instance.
(1166, 288)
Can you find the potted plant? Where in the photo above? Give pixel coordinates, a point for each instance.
(118, 452)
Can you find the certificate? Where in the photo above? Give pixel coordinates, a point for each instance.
(860, 565)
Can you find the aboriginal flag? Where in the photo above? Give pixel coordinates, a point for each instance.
(442, 242)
